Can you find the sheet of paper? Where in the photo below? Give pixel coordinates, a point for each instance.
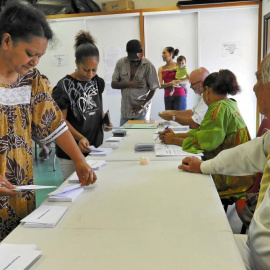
(163, 150)
(115, 139)
(46, 216)
(68, 196)
(64, 189)
(31, 187)
(175, 129)
(100, 151)
(95, 164)
(14, 257)
(112, 145)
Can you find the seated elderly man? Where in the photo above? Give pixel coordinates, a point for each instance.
(248, 158)
(194, 117)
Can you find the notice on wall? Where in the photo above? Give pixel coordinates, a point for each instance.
(231, 49)
(59, 60)
(111, 55)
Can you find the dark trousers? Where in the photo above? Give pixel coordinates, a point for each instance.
(178, 103)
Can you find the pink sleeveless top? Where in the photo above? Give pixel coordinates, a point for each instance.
(169, 76)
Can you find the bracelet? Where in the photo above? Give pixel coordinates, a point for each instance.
(81, 138)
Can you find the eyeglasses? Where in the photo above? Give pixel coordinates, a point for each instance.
(192, 84)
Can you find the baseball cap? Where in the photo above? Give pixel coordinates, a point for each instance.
(134, 46)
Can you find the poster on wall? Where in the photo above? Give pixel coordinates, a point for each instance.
(231, 49)
(111, 55)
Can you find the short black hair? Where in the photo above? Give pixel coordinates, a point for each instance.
(23, 21)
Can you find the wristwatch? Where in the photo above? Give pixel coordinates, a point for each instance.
(174, 118)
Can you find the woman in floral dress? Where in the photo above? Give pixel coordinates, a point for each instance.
(27, 110)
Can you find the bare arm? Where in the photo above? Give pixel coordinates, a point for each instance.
(182, 117)
(165, 85)
(83, 143)
(150, 95)
(69, 146)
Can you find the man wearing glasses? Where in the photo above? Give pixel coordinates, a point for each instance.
(194, 117)
(137, 78)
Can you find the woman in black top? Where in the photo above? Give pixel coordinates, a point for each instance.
(79, 96)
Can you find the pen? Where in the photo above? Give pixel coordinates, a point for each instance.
(158, 135)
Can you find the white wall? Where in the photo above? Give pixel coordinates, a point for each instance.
(109, 31)
(265, 11)
(265, 7)
(244, 34)
(199, 34)
(164, 29)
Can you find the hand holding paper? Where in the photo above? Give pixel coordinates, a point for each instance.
(6, 187)
(85, 173)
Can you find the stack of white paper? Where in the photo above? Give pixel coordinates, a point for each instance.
(95, 164)
(100, 151)
(112, 145)
(32, 187)
(65, 194)
(115, 139)
(176, 129)
(46, 216)
(164, 150)
(14, 257)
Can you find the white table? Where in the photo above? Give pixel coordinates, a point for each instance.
(126, 147)
(139, 217)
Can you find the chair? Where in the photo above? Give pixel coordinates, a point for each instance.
(240, 204)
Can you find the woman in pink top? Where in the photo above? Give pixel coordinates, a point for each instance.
(174, 95)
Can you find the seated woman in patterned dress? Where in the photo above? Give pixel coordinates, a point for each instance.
(222, 128)
(27, 110)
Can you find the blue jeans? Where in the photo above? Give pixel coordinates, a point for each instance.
(178, 103)
(123, 120)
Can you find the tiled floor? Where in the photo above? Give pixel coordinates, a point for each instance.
(44, 175)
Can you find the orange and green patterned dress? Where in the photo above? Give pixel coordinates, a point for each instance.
(26, 110)
(222, 128)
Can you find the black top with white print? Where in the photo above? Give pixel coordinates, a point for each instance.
(83, 100)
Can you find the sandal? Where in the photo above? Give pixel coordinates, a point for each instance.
(45, 152)
(47, 155)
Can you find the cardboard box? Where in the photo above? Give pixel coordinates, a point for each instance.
(117, 5)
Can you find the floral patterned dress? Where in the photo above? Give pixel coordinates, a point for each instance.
(26, 110)
(222, 128)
